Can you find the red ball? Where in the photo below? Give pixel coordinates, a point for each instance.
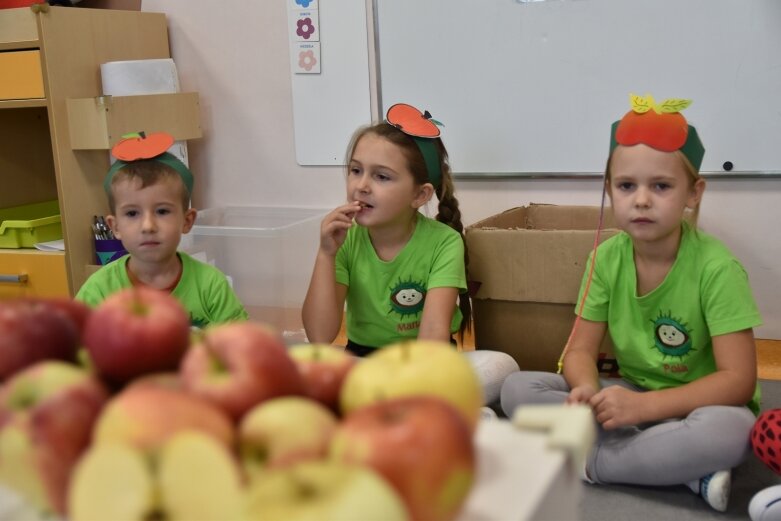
(766, 439)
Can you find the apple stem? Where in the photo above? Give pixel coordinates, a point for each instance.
(156, 513)
(215, 361)
(139, 308)
(23, 398)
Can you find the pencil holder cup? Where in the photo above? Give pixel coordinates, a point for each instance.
(108, 250)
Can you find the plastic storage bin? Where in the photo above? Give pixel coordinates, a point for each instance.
(268, 252)
(24, 226)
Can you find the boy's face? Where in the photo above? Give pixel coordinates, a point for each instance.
(150, 220)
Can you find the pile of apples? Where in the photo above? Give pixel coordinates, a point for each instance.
(125, 413)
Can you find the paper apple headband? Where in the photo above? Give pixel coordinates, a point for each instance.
(140, 146)
(660, 126)
(423, 130)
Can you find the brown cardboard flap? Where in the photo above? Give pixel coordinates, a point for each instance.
(513, 218)
(552, 217)
(534, 254)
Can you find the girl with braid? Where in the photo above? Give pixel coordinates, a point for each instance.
(402, 274)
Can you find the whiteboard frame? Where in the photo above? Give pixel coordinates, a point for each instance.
(483, 174)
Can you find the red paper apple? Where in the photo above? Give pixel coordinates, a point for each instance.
(137, 331)
(420, 444)
(658, 125)
(46, 416)
(323, 369)
(238, 365)
(32, 330)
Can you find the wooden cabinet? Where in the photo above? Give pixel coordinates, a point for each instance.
(56, 127)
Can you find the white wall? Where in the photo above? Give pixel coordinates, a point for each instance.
(235, 54)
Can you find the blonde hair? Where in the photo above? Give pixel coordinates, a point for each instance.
(448, 211)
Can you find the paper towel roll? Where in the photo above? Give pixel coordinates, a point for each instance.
(126, 78)
(134, 77)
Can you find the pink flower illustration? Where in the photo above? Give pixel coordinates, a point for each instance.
(305, 28)
(307, 60)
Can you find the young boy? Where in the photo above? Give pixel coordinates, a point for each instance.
(149, 199)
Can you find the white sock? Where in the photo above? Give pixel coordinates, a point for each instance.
(714, 489)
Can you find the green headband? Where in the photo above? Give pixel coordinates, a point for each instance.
(431, 157)
(165, 158)
(692, 147)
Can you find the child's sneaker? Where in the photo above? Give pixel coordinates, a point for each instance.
(714, 489)
(486, 413)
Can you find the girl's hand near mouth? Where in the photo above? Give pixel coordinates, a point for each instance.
(334, 226)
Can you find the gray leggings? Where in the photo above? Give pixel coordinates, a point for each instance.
(671, 452)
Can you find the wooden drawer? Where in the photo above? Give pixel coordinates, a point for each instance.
(32, 273)
(20, 75)
(18, 28)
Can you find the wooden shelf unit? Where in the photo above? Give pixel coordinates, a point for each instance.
(38, 161)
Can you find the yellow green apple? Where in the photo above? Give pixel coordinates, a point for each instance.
(283, 431)
(193, 477)
(415, 368)
(324, 491)
(47, 412)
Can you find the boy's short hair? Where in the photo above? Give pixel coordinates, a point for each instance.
(150, 172)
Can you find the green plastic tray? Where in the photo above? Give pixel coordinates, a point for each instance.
(24, 226)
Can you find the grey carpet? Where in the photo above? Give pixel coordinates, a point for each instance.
(620, 503)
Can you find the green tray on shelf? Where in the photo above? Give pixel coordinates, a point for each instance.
(24, 226)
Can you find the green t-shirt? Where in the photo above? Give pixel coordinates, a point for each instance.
(664, 338)
(203, 290)
(385, 298)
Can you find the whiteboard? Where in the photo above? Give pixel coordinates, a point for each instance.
(534, 87)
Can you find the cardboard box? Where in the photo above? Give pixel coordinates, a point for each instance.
(527, 263)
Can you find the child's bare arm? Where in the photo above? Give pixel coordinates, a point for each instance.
(438, 314)
(732, 383)
(580, 362)
(324, 302)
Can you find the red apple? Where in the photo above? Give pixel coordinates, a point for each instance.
(46, 416)
(145, 416)
(238, 365)
(170, 380)
(32, 330)
(137, 331)
(421, 444)
(323, 369)
(76, 310)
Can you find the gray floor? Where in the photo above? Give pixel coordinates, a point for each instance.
(619, 503)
